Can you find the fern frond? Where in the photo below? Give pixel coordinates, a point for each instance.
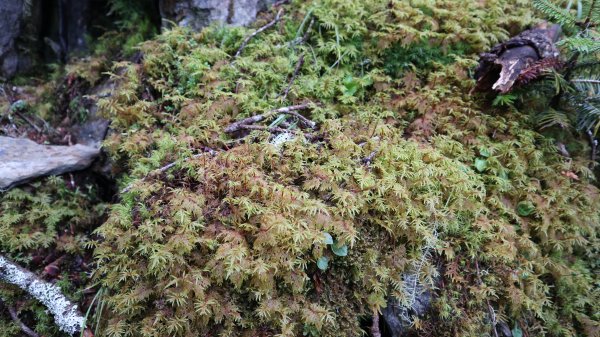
(583, 45)
(552, 117)
(588, 86)
(588, 115)
(556, 13)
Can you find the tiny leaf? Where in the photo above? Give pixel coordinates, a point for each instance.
(525, 208)
(484, 152)
(480, 164)
(323, 262)
(516, 332)
(328, 238)
(339, 250)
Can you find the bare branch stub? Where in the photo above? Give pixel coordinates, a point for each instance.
(276, 130)
(518, 60)
(290, 110)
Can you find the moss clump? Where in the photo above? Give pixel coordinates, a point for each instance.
(45, 227)
(228, 244)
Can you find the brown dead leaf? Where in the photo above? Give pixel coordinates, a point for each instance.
(570, 174)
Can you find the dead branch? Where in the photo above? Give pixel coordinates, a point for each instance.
(294, 75)
(368, 159)
(37, 128)
(307, 32)
(375, 326)
(258, 31)
(275, 130)
(66, 315)
(165, 168)
(13, 315)
(290, 110)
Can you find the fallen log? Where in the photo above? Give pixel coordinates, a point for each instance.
(518, 60)
(66, 315)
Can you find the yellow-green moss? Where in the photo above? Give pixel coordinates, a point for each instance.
(228, 244)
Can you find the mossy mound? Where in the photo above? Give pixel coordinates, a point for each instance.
(405, 172)
(45, 227)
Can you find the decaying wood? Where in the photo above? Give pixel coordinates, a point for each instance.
(66, 315)
(276, 130)
(290, 110)
(518, 60)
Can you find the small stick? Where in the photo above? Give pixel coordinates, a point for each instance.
(13, 314)
(290, 110)
(375, 326)
(296, 71)
(367, 160)
(593, 145)
(37, 128)
(584, 80)
(307, 32)
(167, 167)
(275, 129)
(258, 31)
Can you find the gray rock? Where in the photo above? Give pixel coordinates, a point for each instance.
(11, 14)
(197, 14)
(394, 316)
(22, 160)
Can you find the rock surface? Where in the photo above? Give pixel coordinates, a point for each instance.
(11, 13)
(22, 160)
(197, 14)
(394, 314)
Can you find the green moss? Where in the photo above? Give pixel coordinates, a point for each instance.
(228, 244)
(39, 223)
(421, 57)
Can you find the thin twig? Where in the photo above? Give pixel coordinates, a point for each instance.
(280, 2)
(167, 167)
(258, 31)
(37, 128)
(375, 326)
(490, 308)
(294, 75)
(290, 110)
(307, 32)
(583, 80)
(13, 314)
(593, 145)
(275, 130)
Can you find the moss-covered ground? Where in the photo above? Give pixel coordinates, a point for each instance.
(408, 182)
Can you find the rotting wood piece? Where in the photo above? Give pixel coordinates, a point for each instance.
(502, 67)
